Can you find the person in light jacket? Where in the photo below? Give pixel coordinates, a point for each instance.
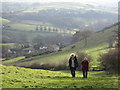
(73, 64)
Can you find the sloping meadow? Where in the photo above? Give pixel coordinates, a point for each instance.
(17, 77)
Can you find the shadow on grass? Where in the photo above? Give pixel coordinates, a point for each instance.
(64, 77)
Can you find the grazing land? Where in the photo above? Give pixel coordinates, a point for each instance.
(17, 77)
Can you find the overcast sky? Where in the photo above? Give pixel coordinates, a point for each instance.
(100, 2)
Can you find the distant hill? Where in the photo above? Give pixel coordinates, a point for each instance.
(68, 15)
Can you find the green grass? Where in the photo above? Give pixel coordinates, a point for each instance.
(4, 21)
(31, 22)
(95, 54)
(16, 77)
(25, 27)
(11, 45)
(53, 59)
(56, 59)
(5, 44)
(95, 40)
(13, 60)
(31, 26)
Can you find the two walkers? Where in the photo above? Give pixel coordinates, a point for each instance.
(73, 64)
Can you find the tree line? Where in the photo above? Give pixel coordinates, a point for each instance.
(51, 29)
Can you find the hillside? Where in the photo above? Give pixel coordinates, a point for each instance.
(62, 14)
(100, 38)
(28, 30)
(17, 77)
(97, 44)
(25, 31)
(30, 35)
(27, 19)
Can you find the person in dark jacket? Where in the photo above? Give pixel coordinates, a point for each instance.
(85, 67)
(73, 64)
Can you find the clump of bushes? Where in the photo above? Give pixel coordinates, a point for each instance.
(81, 56)
(110, 61)
(62, 65)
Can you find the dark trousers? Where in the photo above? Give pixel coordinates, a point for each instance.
(85, 73)
(72, 71)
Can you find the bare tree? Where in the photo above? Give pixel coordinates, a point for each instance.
(36, 28)
(82, 35)
(41, 29)
(110, 41)
(118, 38)
(49, 29)
(45, 29)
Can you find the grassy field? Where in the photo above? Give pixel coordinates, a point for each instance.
(96, 40)
(4, 21)
(31, 22)
(13, 60)
(58, 58)
(25, 27)
(5, 44)
(31, 26)
(17, 77)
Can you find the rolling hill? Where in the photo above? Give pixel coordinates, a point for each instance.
(97, 44)
(20, 21)
(68, 18)
(72, 15)
(18, 77)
